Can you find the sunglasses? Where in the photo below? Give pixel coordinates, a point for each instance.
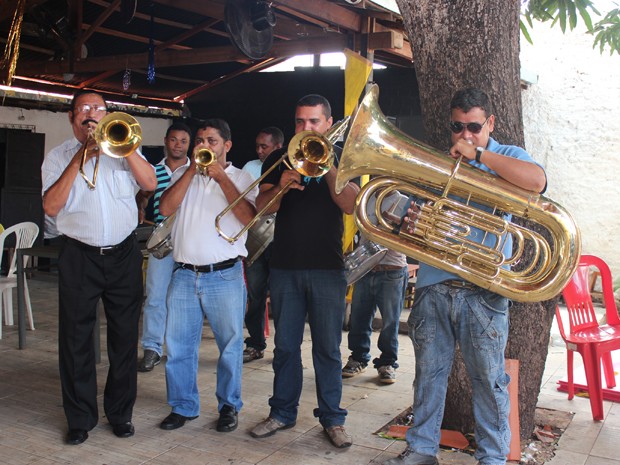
(457, 127)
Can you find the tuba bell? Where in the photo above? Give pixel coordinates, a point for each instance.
(457, 201)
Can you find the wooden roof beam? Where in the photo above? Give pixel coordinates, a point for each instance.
(166, 58)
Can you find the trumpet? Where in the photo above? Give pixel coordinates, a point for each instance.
(117, 135)
(204, 157)
(309, 153)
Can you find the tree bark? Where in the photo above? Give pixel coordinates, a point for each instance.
(475, 43)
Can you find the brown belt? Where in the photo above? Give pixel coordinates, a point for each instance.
(387, 268)
(458, 284)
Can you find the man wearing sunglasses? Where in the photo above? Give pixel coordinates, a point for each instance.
(448, 310)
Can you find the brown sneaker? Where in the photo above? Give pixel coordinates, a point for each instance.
(339, 436)
(387, 374)
(353, 368)
(251, 353)
(269, 427)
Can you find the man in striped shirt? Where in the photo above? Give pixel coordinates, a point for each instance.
(159, 270)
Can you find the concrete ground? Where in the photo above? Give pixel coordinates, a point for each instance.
(32, 423)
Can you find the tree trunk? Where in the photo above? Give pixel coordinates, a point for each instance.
(475, 43)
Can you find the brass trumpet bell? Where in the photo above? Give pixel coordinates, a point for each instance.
(310, 154)
(204, 157)
(117, 135)
(457, 203)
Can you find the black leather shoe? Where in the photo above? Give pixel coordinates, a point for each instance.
(123, 430)
(150, 360)
(228, 420)
(174, 421)
(76, 436)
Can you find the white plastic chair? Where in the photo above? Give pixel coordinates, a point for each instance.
(25, 235)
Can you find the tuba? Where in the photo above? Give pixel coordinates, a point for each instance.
(457, 201)
(117, 135)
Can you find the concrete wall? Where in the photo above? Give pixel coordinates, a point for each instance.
(572, 126)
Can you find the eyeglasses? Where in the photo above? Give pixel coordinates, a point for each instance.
(457, 127)
(86, 108)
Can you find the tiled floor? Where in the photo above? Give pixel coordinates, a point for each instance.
(32, 423)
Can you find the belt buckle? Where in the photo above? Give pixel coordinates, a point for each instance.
(103, 250)
(458, 284)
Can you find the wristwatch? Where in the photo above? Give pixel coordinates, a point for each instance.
(479, 151)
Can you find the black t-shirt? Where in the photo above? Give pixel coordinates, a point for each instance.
(309, 225)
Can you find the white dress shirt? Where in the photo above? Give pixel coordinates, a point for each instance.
(194, 237)
(100, 217)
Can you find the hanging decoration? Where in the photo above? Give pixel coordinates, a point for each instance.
(126, 79)
(128, 10)
(150, 71)
(11, 50)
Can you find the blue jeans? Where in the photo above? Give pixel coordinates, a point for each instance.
(220, 296)
(478, 321)
(320, 296)
(257, 277)
(386, 290)
(158, 275)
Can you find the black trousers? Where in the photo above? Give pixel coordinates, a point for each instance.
(85, 276)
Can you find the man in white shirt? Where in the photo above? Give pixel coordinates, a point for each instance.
(208, 278)
(99, 259)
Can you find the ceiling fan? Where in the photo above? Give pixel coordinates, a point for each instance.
(250, 25)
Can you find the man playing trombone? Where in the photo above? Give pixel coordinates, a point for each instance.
(208, 277)
(307, 280)
(99, 259)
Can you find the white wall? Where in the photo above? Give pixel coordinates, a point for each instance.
(57, 128)
(572, 126)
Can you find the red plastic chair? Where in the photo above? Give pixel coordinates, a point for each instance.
(593, 341)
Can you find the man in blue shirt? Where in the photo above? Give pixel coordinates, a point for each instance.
(448, 310)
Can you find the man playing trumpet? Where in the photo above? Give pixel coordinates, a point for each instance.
(208, 277)
(99, 259)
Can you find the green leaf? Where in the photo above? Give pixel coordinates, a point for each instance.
(582, 6)
(525, 32)
(572, 14)
(562, 14)
(606, 31)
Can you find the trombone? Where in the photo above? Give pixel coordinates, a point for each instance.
(117, 135)
(309, 153)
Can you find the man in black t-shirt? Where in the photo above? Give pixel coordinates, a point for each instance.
(307, 280)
